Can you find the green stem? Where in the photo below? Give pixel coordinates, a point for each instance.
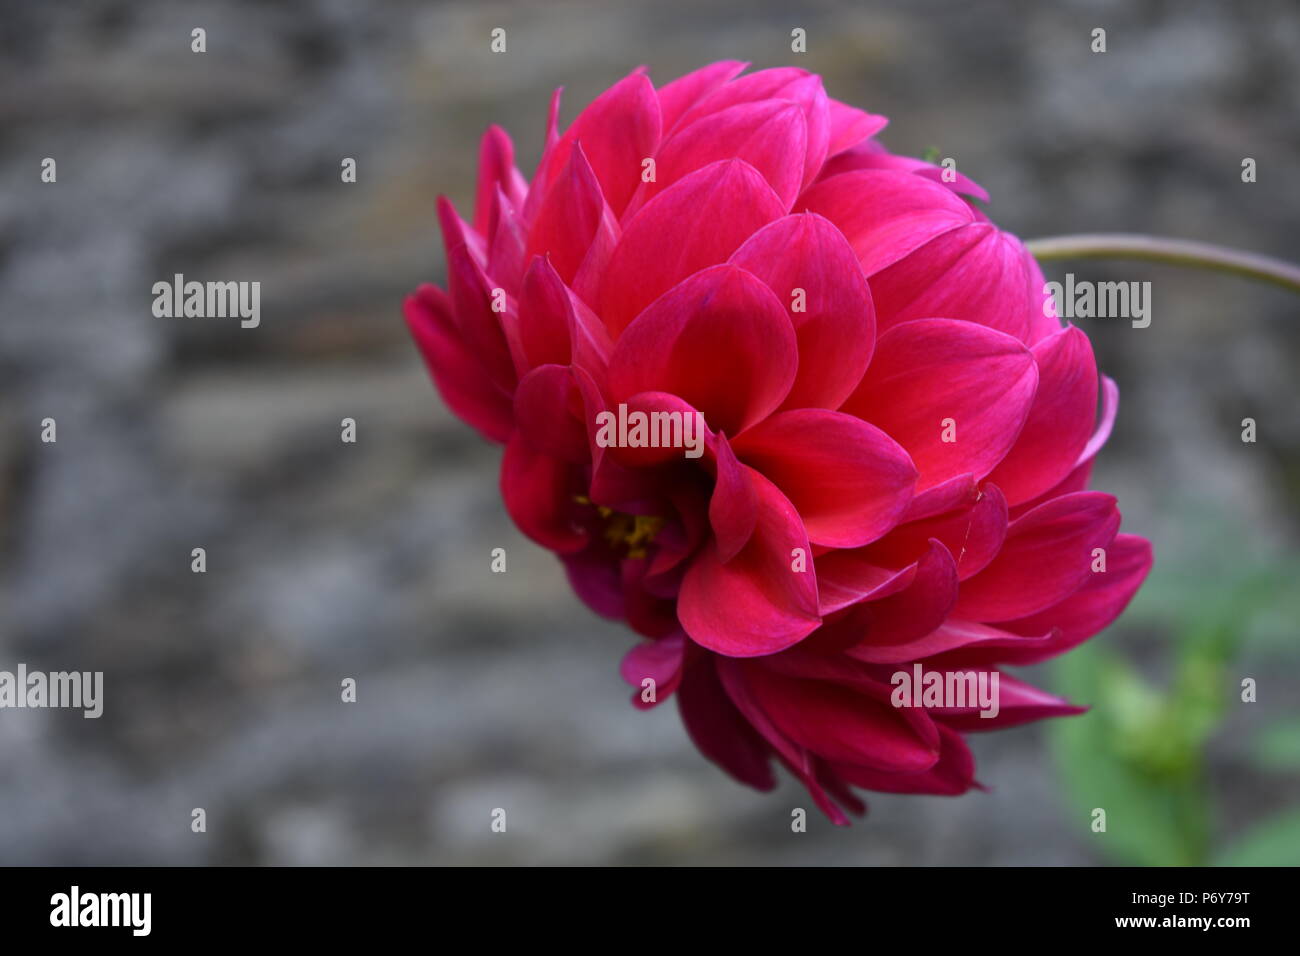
(1180, 252)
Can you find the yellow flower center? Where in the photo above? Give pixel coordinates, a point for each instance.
(633, 532)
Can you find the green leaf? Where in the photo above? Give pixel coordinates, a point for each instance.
(1278, 747)
(1275, 842)
(1122, 757)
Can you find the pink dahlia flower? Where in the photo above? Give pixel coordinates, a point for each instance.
(895, 441)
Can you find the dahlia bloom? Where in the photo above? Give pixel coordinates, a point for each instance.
(897, 432)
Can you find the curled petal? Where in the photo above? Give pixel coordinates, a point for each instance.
(849, 480)
(756, 603)
(733, 509)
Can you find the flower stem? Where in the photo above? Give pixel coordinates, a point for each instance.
(1180, 252)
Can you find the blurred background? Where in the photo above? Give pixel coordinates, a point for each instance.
(370, 560)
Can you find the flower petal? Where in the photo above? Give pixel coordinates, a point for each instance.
(720, 315)
(540, 492)
(617, 131)
(849, 480)
(719, 729)
(952, 774)
(756, 603)
(570, 217)
(937, 379)
(1060, 420)
(733, 508)
(1047, 556)
(973, 535)
(681, 94)
(455, 368)
(661, 661)
(838, 723)
(770, 135)
(1092, 607)
(812, 269)
(697, 222)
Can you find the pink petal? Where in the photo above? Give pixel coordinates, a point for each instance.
(1059, 422)
(719, 729)
(733, 508)
(900, 618)
(455, 369)
(661, 661)
(550, 415)
(836, 327)
(785, 83)
(847, 577)
(755, 603)
(1100, 600)
(770, 135)
(961, 491)
(697, 222)
(496, 170)
(837, 723)
(885, 214)
(539, 493)
(952, 774)
(875, 156)
(617, 131)
(931, 370)
(974, 272)
(720, 315)
(545, 316)
(1109, 409)
(597, 582)
(953, 634)
(505, 256)
(1018, 703)
(681, 94)
(481, 327)
(1047, 556)
(849, 480)
(671, 438)
(973, 535)
(850, 126)
(570, 217)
